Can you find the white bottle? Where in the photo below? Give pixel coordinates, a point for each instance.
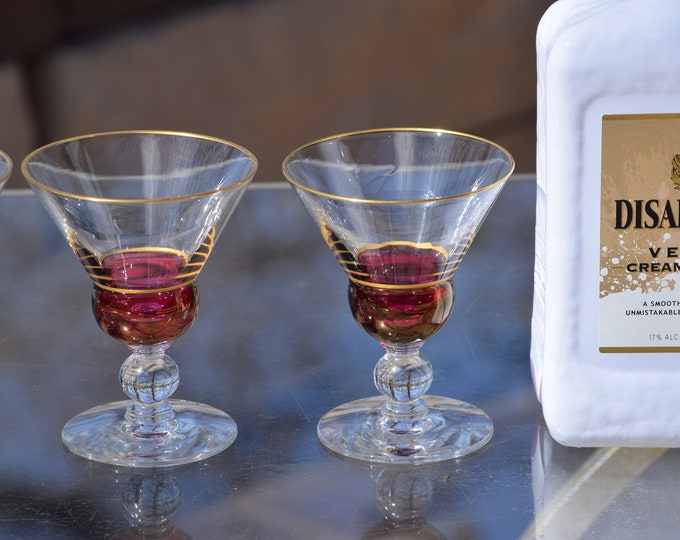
(605, 349)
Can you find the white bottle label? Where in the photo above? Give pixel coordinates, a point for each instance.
(640, 234)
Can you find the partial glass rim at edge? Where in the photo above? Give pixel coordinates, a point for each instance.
(189, 135)
(5, 157)
(500, 180)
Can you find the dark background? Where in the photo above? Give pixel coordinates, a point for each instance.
(268, 74)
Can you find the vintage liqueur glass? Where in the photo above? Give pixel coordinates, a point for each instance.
(142, 211)
(5, 169)
(399, 209)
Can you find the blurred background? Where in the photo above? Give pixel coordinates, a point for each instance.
(267, 74)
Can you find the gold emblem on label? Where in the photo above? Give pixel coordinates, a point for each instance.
(675, 173)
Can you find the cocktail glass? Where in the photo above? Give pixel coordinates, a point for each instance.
(5, 169)
(399, 209)
(142, 211)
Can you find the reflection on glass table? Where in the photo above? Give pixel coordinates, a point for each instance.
(604, 493)
(275, 345)
(150, 499)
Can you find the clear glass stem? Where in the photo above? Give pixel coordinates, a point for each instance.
(404, 425)
(150, 430)
(403, 375)
(149, 377)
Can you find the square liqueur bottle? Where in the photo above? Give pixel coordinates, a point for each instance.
(605, 350)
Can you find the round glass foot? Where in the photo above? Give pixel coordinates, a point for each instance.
(197, 432)
(360, 430)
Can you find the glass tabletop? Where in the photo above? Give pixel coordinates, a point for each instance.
(275, 346)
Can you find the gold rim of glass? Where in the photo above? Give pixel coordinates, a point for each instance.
(5, 157)
(247, 153)
(289, 158)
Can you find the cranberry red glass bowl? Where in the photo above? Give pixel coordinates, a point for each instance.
(399, 209)
(142, 211)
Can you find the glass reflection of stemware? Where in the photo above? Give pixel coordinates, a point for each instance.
(399, 209)
(142, 211)
(150, 502)
(404, 495)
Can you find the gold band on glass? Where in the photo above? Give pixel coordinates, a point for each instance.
(247, 153)
(339, 136)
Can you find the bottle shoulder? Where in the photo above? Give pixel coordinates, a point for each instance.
(584, 35)
(573, 23)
